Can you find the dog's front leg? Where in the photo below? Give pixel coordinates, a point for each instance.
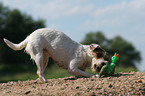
(79, 73)
(73, 69)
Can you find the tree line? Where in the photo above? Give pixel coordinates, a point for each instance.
(15, 26)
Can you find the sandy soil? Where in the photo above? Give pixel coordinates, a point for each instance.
(127, 84)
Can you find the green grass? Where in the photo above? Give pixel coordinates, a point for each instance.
(125, 69)
(15, 73)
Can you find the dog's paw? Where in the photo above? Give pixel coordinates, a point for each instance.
(95, 76)
(41, 80)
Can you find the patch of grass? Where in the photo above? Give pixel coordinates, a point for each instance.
(55, 72)
(125, 69)
(15, 73)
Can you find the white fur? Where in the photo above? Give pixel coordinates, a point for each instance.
(68, 54)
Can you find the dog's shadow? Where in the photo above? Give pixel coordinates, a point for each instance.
(119, 75)
(114, 75)
(71, 78)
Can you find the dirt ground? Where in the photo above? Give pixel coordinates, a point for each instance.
(132, 83)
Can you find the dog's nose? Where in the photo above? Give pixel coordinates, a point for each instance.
(97, 68)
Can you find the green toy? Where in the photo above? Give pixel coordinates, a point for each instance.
(109, 69)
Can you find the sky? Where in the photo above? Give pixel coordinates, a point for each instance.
(75, 18)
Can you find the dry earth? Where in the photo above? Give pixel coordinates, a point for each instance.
(122, 84)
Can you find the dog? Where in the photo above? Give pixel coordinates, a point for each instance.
(43, 44)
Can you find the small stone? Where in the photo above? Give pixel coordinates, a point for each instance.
(77, 87)
(139, 81)
(27, 92)
(110, 86)
(92, 79)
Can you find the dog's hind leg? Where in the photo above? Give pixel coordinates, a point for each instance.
(39, 63)
(45, 59)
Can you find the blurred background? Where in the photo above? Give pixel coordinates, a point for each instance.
(117, 25)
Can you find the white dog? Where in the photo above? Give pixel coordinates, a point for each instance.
(43, 44)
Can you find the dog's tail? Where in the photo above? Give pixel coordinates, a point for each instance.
(19, 46)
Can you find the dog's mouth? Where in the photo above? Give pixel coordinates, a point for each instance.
(98, 68)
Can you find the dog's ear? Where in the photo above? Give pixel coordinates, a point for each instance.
(94, 46)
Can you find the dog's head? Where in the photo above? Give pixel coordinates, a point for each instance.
(100, 59)
(97, 64)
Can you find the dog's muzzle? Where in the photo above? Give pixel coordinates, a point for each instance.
(98, 68)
